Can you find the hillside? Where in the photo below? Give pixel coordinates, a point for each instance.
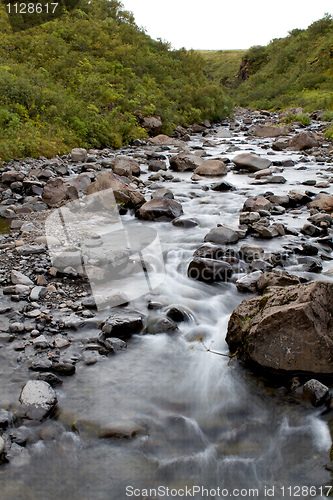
(223, 65)
(83, 80)
(293, 71)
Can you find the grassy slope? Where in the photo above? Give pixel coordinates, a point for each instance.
(223, 65)
(82, 79)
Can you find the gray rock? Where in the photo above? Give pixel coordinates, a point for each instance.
(38, 399)
(222, 235)
(185, 222)
(31, 249)
(122, 325)
(185, 161)
(209, 270)
(248, 283)
(37, 292)
(251, 162)
(315, 392)
(160, 209)
(211, 168)
(79, 154)
(18, 278)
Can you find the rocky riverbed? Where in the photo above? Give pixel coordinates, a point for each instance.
(241, 211)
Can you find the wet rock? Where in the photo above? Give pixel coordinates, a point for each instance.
(122, 325)
(311, 230)
(178, 314)
(248, 283)
(162, 193)
(114, 344)
(310, 264)
(223, 235)
(185, 161)
(248, 218)
(160, 209)
(280, 145)
(223, 134)
(210, 251)
(315, 392)
(304, 140)
(123, 193)
(161, 325)
(38, 399)
(256, 204)
(223, 186)
(268, 232)
(250, 252)
(63, 367)
(209, 270)
(298, 198)
(79, 154)
(52, 379)
(211, 168)
(41, 364)
(322, 202)
(184, 222)
(251, 162)
(288, 328)
(276, 278)
(4, 419)
(31, 249)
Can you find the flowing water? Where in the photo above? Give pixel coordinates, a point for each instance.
(201, 420)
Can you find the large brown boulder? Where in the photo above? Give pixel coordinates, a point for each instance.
(287, 329)
(323, 202)
(211, 168)
(304, 140)
(57, 192)
(123, 193)
(152, 124)
(185, 161)
(160, 209)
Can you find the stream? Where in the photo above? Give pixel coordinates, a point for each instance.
(201, 420)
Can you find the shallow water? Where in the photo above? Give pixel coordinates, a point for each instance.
(200, 420)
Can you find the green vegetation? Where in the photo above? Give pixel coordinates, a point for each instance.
(84, 78)
(290, 72)
(223, 65)
(301, 117)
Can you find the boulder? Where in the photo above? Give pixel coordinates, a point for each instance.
(323, 202)
(57, 192)
(160, 209)
(38, 399)
(255, 204)
(122, 325)
(125, 165)
(162, 193)
(303, 140)
(79, 154)
(222, 186)
(209, 270)
(222, 235)
(251, 162)
(164, 140)
(248, 283)
(250, 252)
(123, 193)
(152, 124)
(184, 222)
(288, 329)
(211, 168)
(223, 133)
(276, 278)
(268, 131)
(185, 161)
(280, 144)
(297, 198)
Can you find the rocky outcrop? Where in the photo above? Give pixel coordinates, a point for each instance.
(287, 329)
